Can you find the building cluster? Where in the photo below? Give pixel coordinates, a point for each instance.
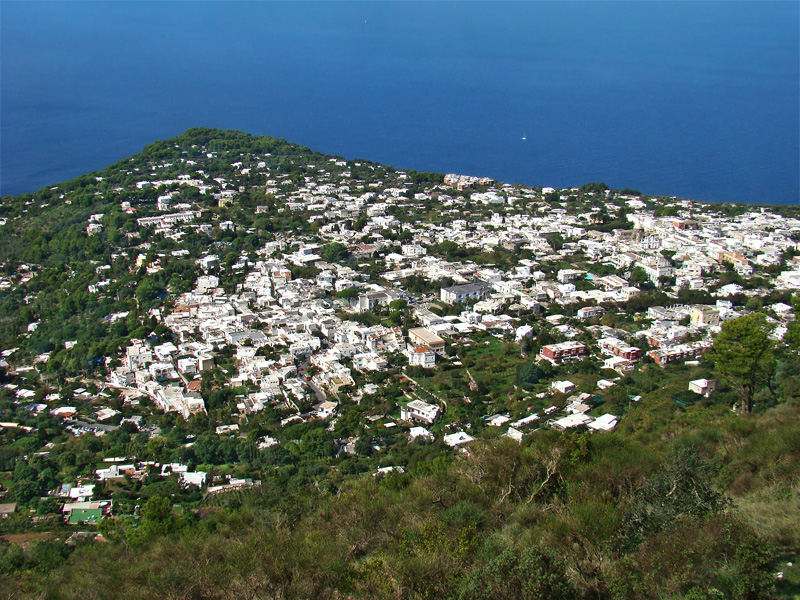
(295, 345)
(297, 342)
(80, 504)
(288, 322)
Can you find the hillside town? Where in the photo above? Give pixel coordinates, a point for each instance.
(381, 319)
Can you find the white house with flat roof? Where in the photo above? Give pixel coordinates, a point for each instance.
(468, 291)
(417, 410)
(457, 439)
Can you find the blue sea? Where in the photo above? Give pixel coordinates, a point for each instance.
(693, 99)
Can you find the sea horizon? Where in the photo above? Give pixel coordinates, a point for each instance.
(692, 100)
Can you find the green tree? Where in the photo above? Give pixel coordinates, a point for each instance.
(639, 276)
(596, 187)
(530, 373)
(317, 443)
(363, 446)
(556, 241)
(744, 356)
(334, 252)
(347, 294)
(157, 518)
(398, 304)
(147, 291)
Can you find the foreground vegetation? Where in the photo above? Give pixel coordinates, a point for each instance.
(679, 503)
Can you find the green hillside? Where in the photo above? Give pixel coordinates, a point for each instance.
(287, 272)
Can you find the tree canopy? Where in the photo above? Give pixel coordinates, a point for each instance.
(334, 252)
(744, 356)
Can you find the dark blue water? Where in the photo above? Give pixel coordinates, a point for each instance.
(699, 100)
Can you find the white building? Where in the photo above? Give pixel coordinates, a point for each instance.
(421, 356)
(606, 422)
(419, 433)
(704, 387)
(461, 293)
(417, 410)
(565, 387)
(413, 250)
(457, 439)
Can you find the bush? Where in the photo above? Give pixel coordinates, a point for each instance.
(532, 573)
